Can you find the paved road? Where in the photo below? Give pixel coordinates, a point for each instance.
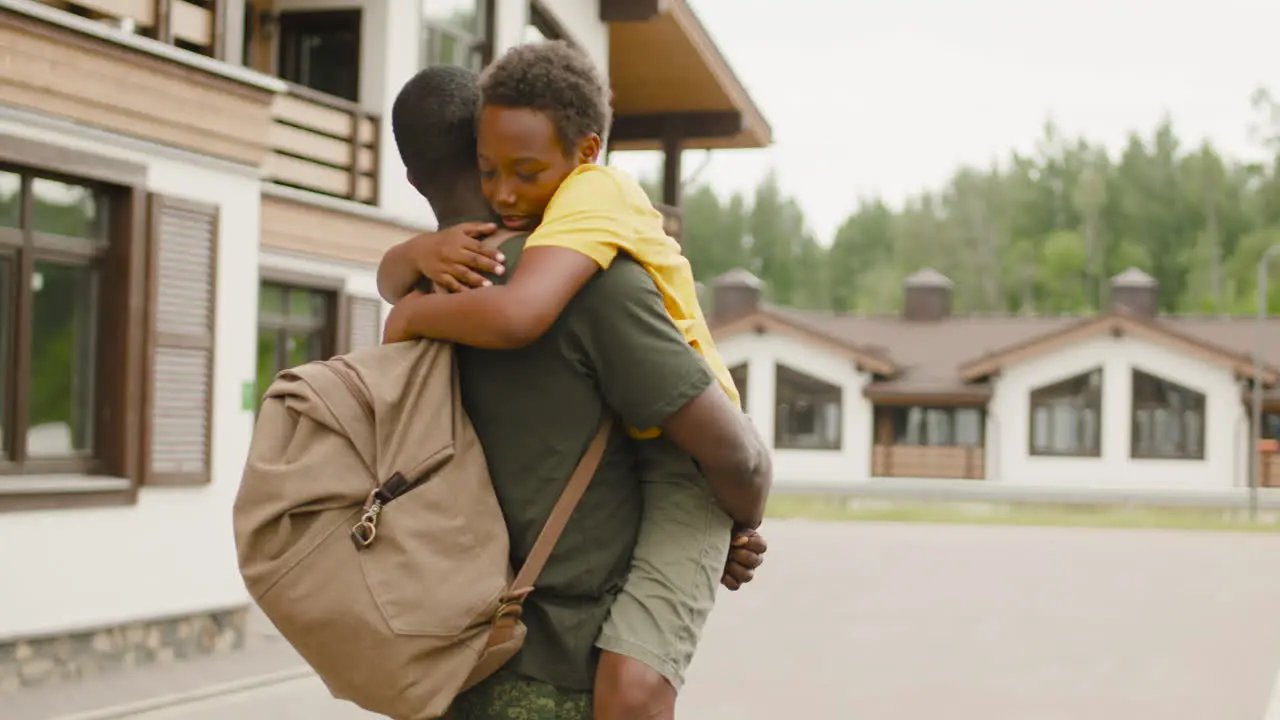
(920, 622)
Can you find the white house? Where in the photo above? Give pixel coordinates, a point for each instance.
(1127, 400)
(193, 195)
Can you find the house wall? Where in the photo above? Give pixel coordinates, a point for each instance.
(763, 352)
(1225, 464)
(172, 552)
(579, 18)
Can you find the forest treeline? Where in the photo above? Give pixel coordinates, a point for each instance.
(1036, 232)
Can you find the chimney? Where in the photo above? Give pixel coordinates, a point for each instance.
(1135, 292)
(735, 294)
(928, 296)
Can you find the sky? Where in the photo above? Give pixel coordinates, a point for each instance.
(875, 98)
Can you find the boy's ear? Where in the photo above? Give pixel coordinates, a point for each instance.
(589, 149)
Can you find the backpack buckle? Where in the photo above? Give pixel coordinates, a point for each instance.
(363, 532)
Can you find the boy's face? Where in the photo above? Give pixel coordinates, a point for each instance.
(522, 162)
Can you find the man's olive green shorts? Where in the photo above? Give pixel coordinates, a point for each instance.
(676, 568)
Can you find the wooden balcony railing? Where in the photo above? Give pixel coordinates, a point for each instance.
(324, 144)
(928, 461)
(190, 24)
(1269, 468)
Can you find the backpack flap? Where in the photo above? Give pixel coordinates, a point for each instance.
(415, 406)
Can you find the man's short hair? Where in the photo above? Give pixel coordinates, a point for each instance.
(555, 78)
(434, 123)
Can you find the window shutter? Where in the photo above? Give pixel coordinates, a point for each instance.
(179, 403)
(364, 322)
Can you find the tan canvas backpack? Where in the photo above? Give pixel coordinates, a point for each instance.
(368, 531)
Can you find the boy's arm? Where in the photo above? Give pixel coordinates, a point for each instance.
(452, 257)
(397, 272)
(499, 317)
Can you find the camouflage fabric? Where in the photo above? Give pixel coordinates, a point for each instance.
(506, 696)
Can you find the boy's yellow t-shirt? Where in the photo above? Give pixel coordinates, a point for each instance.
(600, 211)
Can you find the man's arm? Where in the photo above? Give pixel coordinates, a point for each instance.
(728, 450)
(651, 377)
(500, 317)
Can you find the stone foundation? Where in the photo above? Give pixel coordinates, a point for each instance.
(59, 658)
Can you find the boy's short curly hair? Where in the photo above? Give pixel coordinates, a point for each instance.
(553, 77)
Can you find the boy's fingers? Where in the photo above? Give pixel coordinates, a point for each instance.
(450, 284)
(476, 229)
(730, 583)
(468, 277)
(480, 262)
(479, 248)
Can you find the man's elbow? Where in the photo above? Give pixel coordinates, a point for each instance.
(753, 468)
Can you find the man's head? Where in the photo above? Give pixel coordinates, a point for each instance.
(434, 123)
(544, 109)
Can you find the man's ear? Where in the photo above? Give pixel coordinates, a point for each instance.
(589, 149)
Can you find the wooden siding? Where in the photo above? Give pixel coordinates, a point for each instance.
(63, 73)
(928, 461)
(314, 230)
(1270, 475)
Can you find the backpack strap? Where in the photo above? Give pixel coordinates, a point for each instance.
(564, 507)
(509, 610)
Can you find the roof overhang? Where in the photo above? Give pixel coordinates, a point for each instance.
(670, 80)
(1117, 324)
(765, 322)
(893, 392)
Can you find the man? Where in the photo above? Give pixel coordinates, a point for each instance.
(614, 350)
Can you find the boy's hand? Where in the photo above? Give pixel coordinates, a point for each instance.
(396, 328)
(453, 258)
(746, 553)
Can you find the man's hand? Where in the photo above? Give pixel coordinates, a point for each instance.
(396, 328)
(746, 553)
(453, 258)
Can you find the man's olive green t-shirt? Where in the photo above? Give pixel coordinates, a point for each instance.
(535, 409)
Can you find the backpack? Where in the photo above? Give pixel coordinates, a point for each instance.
(368, 531)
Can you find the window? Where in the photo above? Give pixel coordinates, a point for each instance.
(739, 375)
(456, 33)
(54, 239)
(946, 426)
(1168, 419)
(106, 331)
(1270, 426)
(1066, 417)
(321, 50)
(295, 326)
(808, 412)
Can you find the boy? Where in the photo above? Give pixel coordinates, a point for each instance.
(544, 112)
